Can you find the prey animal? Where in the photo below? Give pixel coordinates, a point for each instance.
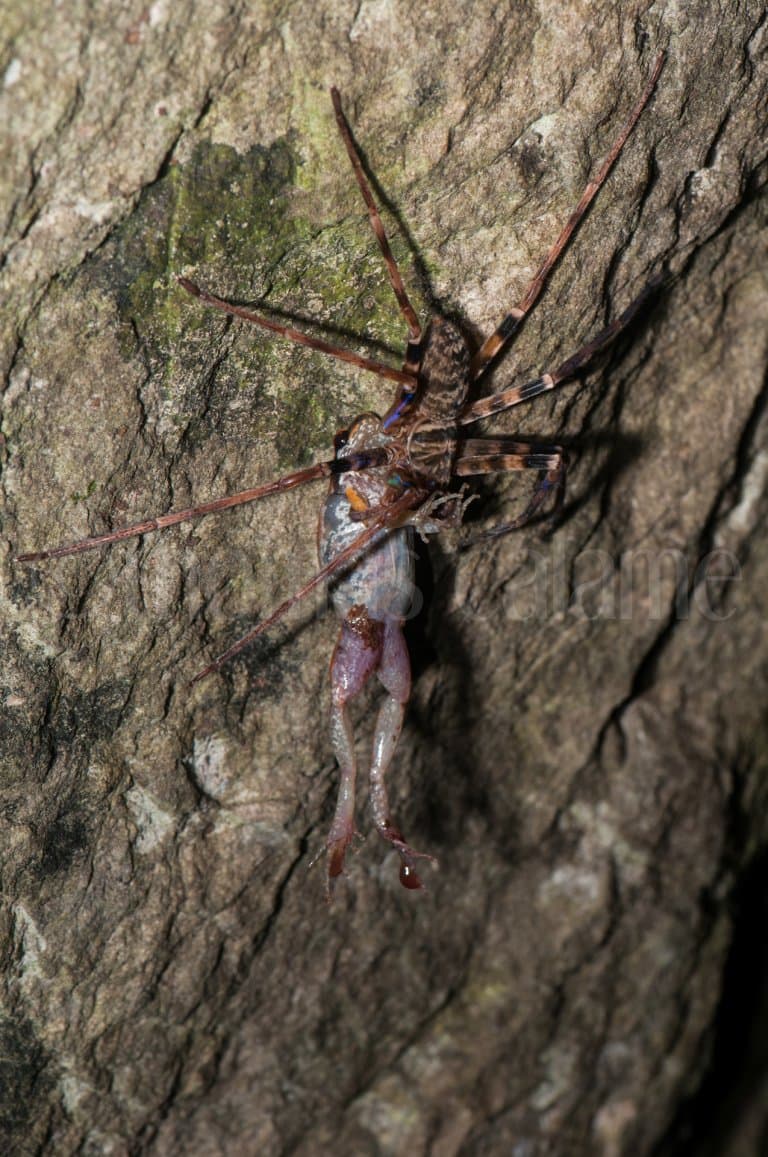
(390, 478)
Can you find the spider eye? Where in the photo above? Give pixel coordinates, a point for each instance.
(340, 440)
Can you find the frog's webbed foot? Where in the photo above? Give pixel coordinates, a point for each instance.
(409, 877)
(336, 849)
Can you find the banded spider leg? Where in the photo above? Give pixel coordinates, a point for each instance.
(492, 455)
(389, 478)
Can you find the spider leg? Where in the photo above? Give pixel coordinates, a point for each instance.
(491, 455)
(163, 521)
(513, 396)
(404, 377)
(395, 278)
(512, 322)
(550, 482)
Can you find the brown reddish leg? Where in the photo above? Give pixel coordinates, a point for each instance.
(404, 377)
(514, 319)
(395, 279)
(163, 521)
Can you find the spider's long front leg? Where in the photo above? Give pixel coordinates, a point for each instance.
(514, 319)
(412, 358)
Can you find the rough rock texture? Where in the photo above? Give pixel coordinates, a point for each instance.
(586, 750)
